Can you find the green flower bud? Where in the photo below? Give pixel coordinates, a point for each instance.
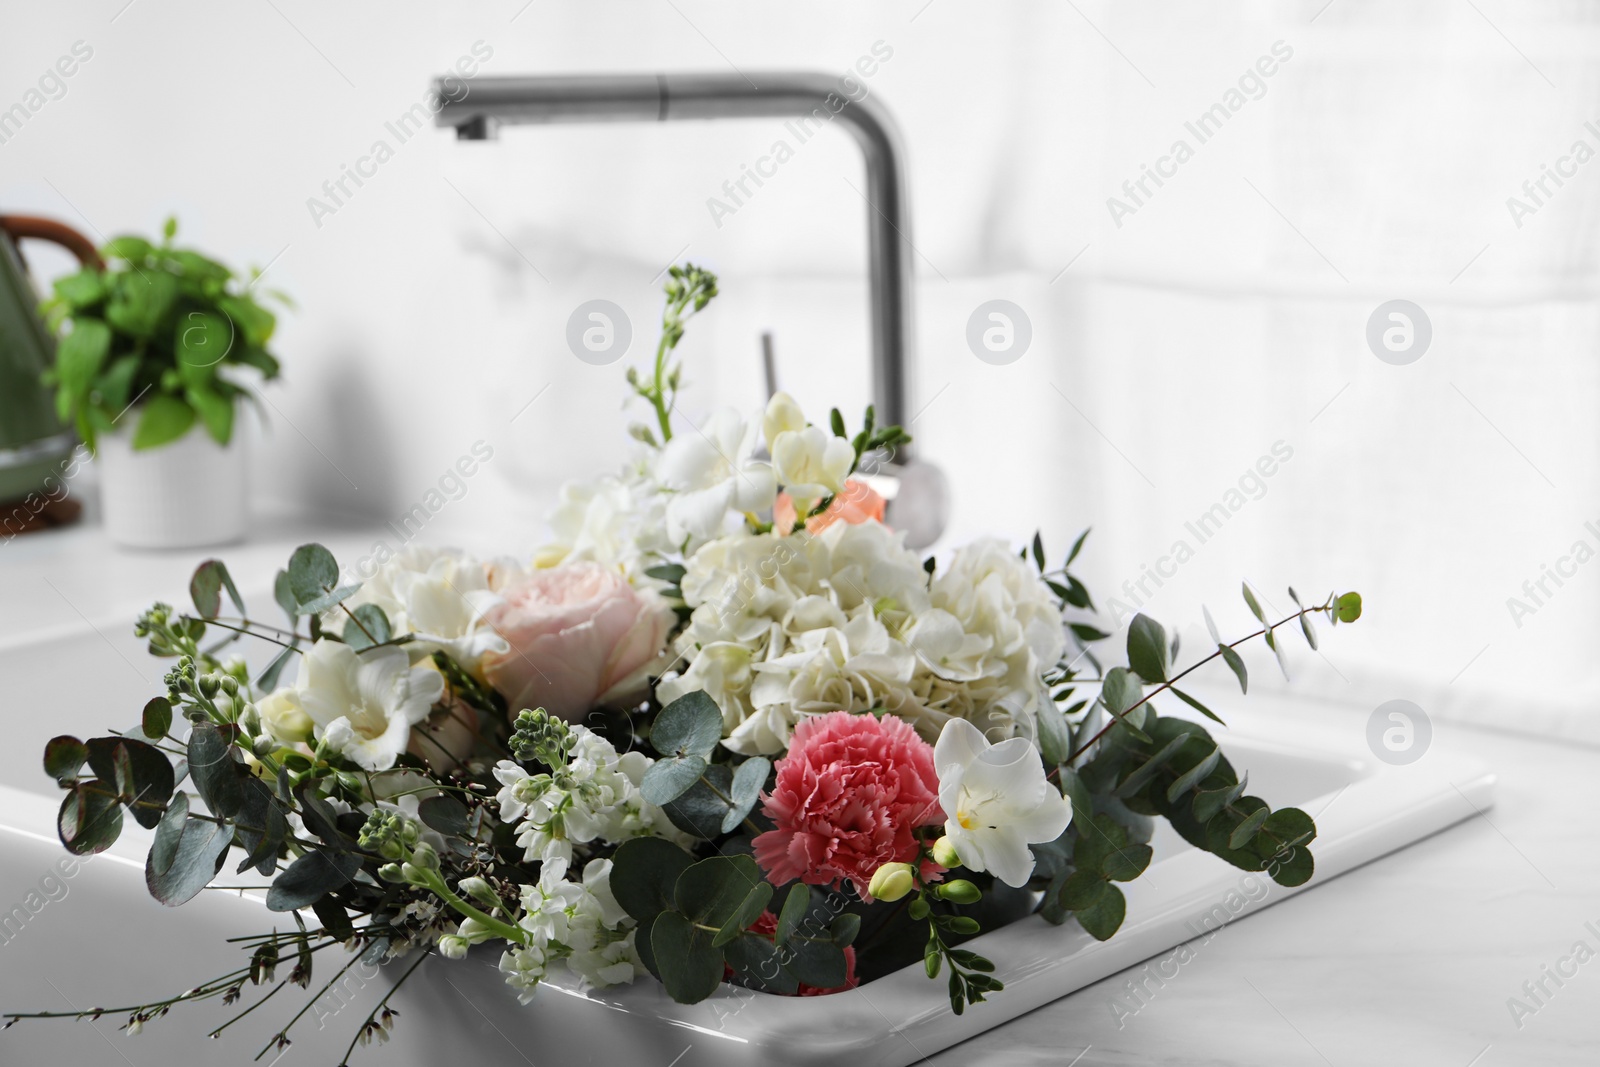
(209, 685)
(892, 881)
(263, 746)
(479, 890)
(425, 857)
(453, 947)
(944, 853)
(230, 684)
(390, 872)
(960, 891)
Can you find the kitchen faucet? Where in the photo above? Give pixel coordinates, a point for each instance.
(919, 498)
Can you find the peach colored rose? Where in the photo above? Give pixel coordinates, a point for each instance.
(578, 633)
(857, 503)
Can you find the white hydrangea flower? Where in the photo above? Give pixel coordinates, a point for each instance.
(785, 627)
(618, 520)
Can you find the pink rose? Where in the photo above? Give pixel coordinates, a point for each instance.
(846, 799)
(578, 633)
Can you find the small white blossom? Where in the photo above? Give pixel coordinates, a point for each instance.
(996, 801)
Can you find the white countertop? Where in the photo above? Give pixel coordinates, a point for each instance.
(1409, 960)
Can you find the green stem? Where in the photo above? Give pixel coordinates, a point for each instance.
(504, 931)
(1117, 717)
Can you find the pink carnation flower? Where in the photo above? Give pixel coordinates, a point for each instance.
(847, 797)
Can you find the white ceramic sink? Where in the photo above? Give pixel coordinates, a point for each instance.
(104, 942)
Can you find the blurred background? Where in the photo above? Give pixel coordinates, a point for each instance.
(1180, 331)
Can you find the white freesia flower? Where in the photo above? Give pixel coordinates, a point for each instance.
(811, 463)
(439, 595)
(996, 801)
(364, 704)
(782, 415)
(711, 470)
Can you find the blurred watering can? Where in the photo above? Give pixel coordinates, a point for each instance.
(33, 442)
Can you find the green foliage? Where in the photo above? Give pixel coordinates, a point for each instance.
(187, 853)
(161, 327)
(696, 917)
(689, 289)
(540, 736)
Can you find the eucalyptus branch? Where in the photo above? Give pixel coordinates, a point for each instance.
(1117, 717)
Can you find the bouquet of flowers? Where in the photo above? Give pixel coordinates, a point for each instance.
(727, 728)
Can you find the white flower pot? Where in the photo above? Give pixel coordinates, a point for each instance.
(182, 495)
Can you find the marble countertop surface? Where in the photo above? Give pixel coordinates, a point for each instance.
(1476, 947)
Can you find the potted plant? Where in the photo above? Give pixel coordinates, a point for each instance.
(146, 367)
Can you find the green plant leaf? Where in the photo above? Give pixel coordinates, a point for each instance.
(445, 814)
(1196, 705)
(714, 890)
(128, 247)
(758, 963)
(201, 341)
(1077, 546)
(140, 772)
(748, 778)
(670, 777)
(186, 855)
(690, 726)
(690, 967)
(215, 411)
(369, 626)
(1097, 839)
(140, 301)
(1104, 917)
(1136, 779)
(205, 588)
(255, 322)
(81, 290)
(1248, 827)
(64, 757)
(1080, 890)
(80, 356)
(1208, 802)
(1055, 738)
(1192, 777)
(818, 963)
(162, 419)
(157, 718)
(1289, 827)
(1251, 603)
(1127, 863)
(644, 875)
(310, 877)
(796, 906)
(1147, 649)
(314, 578)
(267, 680)
(215, 774)
(1295, 869)
(1349, 607)
(283, 593)
(1236, 665)
(90, 819)
(700, 811)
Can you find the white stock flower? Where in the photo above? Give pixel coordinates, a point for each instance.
(594, 797)
(364, 704)
(711, 470)
(996, 801)
(579, 924)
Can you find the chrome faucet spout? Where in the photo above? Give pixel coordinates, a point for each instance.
(810, 99)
